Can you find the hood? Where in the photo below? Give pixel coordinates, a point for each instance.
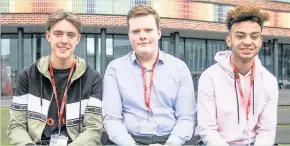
(223, 60)
(80, 68)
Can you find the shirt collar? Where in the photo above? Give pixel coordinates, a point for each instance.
(161, 57)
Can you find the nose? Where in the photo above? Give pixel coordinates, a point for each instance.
(64, 39)
(248, 41)
(142, 35)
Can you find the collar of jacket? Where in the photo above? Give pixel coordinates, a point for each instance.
(80, 68)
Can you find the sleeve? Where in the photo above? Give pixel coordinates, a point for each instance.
(266, 126)
(206, 115)
(185, 109)
(112, 111)
(93, 126)
(17, 126)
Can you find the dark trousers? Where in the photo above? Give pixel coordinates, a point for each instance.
(146, 140)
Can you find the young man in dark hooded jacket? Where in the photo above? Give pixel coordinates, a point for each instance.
(58, 98)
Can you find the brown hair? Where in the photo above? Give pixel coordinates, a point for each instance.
(143, 10)
(246, 13)
(60, 15)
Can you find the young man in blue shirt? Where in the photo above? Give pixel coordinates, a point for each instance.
(148, 95)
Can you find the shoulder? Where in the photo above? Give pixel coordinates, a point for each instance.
(29, 70)
(90, 72)
(173, 61)
(269, 80)
(120, 62)
(268, 76)
(211, 71)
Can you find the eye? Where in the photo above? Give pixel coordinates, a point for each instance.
(240, 36)
(135, 31)
(255, 36)
(148, 30)
(57, 33)
(71, 34)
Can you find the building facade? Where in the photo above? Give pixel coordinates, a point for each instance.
(192, 30)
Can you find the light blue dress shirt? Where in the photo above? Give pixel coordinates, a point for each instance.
(172, 103)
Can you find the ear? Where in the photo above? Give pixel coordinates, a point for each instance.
(79, 38)
(228, 41)
(47, 35)
(159, 33)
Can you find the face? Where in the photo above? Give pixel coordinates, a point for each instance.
(144, 35)
(63, 37)
(245, 40)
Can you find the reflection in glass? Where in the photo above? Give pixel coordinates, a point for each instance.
(80, 49)
(167, 46)
(284, 66)
(9, 70)
(195, 50)
(122, 46)
(117, 46)
(213, 46)
(265, 55)
(27, 50)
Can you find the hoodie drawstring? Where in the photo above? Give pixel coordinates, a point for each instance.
(253, 97)
(80, 115)
(238, 107)
(41, 91)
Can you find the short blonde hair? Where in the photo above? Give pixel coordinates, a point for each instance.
(143, 10)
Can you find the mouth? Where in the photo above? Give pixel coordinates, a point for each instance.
(143, 44)
(246, 50)
(63, 48)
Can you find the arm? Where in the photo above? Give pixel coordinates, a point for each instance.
(206, 114)
(17, 126)
(93, 127)
(266, 126)
(112, 110)
(185, 109)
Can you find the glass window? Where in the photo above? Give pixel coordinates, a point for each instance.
(109, 49)
(167, 46)
(265, 55)
(81, 48)
(117, 46)
(284, 66)
(213, 46)
(28, 56)
(94, 48)
(195, 52)
(43, 46)
(285, 1)
(122, 46)
(9, 69)
(181, 47)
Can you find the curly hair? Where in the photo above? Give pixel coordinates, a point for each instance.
(246, 13)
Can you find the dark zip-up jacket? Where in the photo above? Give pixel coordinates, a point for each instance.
(31, 102)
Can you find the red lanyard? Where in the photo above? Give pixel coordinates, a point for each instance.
(146, 94)
(60, 111)
(248, 105)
